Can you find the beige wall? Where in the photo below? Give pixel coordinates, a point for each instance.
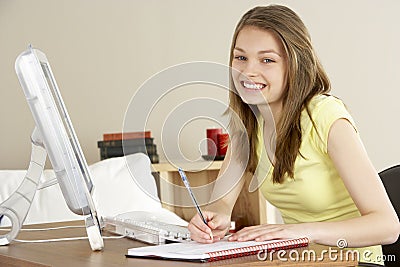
(102, 51)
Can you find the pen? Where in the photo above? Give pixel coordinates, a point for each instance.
(187, 185)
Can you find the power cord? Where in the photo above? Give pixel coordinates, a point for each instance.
(57, 239)
(45, 229)
(64, 239)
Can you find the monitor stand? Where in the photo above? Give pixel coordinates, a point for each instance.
(16, 207)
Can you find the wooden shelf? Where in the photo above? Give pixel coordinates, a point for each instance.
(195, 166)
(250, 208)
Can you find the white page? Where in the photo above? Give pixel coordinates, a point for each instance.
(193, 250)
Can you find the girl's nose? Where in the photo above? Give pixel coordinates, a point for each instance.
(251, 69)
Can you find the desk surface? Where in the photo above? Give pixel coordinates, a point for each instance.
(78, 253)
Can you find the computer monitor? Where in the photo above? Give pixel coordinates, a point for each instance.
(58, 136)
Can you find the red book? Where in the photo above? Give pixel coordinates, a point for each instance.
(125, 136)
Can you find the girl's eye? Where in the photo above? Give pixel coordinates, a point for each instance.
(240, 57)
(268, 60)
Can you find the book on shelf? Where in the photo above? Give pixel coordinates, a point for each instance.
(120, 150)
(154, 158)
(197, 252)
(126, 142)
(126, 135)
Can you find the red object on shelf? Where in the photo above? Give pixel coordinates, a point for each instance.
(222, 143)
(212, 141)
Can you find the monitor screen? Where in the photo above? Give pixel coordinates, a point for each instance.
(57, 133)
(53, 122)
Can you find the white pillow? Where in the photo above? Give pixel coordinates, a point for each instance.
(48, 204)
(124, 184)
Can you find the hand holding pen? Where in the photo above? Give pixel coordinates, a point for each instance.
(187, 185)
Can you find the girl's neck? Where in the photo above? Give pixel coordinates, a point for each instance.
(270, 113)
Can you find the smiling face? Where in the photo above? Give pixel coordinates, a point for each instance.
(259, 67)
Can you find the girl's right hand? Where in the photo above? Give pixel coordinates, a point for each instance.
(218, 225)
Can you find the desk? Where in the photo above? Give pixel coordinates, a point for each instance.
(250, 208)
(78, 253)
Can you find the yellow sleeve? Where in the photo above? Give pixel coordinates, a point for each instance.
(324, 114)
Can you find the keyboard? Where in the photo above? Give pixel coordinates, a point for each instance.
(146, 227)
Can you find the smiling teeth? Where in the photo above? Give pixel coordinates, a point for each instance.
(253, 86)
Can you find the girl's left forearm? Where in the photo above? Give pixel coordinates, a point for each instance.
(367, 230)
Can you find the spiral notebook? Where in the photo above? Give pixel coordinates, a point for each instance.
(197, 252)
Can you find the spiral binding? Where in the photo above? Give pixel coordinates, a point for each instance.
(251, 250)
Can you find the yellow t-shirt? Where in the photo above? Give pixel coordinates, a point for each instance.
(317, 192)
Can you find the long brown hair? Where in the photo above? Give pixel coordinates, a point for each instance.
(305, 79)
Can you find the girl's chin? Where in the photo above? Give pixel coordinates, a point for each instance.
(253, 98)
(253, 101)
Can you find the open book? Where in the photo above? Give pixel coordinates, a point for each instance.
(221, 250)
